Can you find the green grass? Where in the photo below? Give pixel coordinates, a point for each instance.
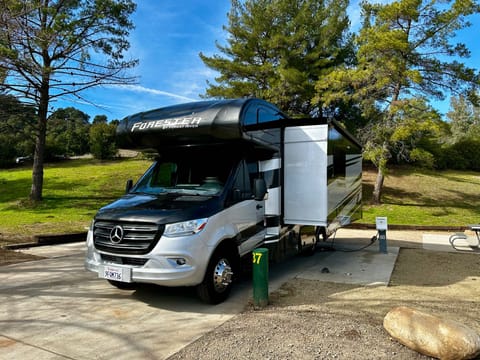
(425, 197)
(75, 190)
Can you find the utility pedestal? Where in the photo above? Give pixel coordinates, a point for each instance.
(382, 226)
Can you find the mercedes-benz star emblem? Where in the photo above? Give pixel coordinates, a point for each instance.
(116, 235)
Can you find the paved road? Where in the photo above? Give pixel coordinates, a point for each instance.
(54, 309)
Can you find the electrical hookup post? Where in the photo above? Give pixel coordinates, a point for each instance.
(381, 223)
(260, 277)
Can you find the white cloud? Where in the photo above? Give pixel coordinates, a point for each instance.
(143, 89)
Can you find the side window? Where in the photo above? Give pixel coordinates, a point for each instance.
(267, 115)
(242, 189)
(259, 115)
(250, 116)
(337, 150)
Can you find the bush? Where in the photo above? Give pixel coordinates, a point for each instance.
(7, 152)
(469, 149)
(462, 155)
(102, 141)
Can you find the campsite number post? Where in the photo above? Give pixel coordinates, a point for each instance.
(260, 277)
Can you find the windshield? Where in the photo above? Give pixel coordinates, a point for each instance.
(187, 176)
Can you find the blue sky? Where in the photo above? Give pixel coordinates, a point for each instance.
(167, 39)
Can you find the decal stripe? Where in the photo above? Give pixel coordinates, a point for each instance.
(247, 233)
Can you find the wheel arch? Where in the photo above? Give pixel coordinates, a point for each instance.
(229, 246)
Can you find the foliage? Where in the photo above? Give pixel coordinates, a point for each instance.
(102, 140)
(277, 50)
(404, 53)
(49, 49)
(414, 128)
(16, 129)
(464, 119)
(99, 119)
(68, 132)
(461, 155)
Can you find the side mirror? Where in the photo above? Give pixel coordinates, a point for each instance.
(260, 189)
(128, 186)
(236, 195)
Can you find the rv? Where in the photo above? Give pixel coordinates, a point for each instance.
(230, 176)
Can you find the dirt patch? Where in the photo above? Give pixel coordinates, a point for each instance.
(8, 257)
(321, 320)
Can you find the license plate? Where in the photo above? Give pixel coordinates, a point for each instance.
(116, 273)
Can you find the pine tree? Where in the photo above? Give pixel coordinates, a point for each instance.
(278, 49)
(405, 52)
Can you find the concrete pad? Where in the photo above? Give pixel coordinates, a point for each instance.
(55, 251)
(12, 349)
(366, 267)
(440, 242)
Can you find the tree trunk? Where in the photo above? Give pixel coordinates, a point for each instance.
(36, 193)
(38, 161)
(377, 189)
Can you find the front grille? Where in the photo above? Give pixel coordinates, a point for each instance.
(138, 238)
(124, 260)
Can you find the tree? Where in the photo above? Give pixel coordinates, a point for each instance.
(464, 119)
(102, 140)
(417, 129)
(405, 51)
(53, 48)
(68, 132)
(16, 129)
(278, 49)
(99, 119)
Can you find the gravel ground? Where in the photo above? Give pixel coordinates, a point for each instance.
(322, 320)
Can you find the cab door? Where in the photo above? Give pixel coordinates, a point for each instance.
(247, 213)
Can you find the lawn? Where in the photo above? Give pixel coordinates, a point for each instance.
(74, 190)
(425, 197)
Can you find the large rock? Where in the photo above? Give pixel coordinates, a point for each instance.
(429, 335)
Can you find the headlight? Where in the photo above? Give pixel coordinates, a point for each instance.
(185, 228)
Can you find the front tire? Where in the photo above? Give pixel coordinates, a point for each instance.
(217, 283)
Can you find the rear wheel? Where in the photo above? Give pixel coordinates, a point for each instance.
(217, 283)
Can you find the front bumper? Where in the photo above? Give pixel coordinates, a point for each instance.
(173, 262)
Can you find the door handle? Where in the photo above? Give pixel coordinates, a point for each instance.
(259, 206)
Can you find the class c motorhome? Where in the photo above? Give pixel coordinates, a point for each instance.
(230, 176)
